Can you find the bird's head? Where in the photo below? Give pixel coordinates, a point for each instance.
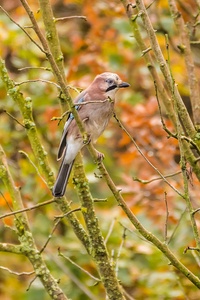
(109, 83)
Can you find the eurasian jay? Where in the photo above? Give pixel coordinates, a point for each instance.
(95, 116)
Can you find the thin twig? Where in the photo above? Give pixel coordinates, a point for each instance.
(172, 87)
(176, 228)
(146, 51)
(147, 160)
(28, 208)
(78, 104)
(8, 204)
(12, 117)
(58, 71)
(16, 273)
(135, 233)
(68, 213)
(187, 8)
(57, 221)
(191, 248)
(69, 18)
(119, 251)
(161, 116)
(72, 276)
(167, 217)
(129, 297)
(32, 163)
(79, 267)
(155, 179)
(30, 283)
(183, 164)
(189, 61)
(164, 90)
(61, 117)
(92, 101)
(110, 230)
(51, 234)
(150, 4)
(37, 80)
(100, 200)
(22, 29)
(189, 140)
(196, 257)
(195, 211)
(35, 68)
(189, 203)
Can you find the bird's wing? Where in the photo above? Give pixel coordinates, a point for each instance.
(63, 142)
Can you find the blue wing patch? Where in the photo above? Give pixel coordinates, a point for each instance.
(77, 107)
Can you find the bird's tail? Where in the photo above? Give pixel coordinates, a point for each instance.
(62, 179)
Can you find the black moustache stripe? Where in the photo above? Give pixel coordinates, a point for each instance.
(112, 87)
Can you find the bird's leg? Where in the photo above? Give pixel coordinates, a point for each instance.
(86, 141)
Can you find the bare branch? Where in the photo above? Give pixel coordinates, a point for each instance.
(176, 227)
(167, 217)
(79, 267)
(12, 117)
(28, 208)
(189, 62)
(32, 163)
(35, 68)
(68, 213)
(73, 277)
(37, 80)
(172, 87)
(16, 273)
(157, 178)
(191, 248)
(146, 159)
(70, 18)
(120, 250)
(32, 40)
(110, 231)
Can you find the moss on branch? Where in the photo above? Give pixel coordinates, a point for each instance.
(98, 249)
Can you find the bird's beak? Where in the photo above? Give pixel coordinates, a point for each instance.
(123, 85)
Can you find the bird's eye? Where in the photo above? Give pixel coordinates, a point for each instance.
(109, 81)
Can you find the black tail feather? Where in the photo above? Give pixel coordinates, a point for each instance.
(62, 179)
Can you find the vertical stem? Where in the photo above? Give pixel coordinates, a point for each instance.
(189, 62)
(150, 62)
(51, 33)
(147, 234)
(27, 244)
(183, 113)
(25, 106)
(185, 181)
(172, 89)
(58, 74)
(98, 249)
(53, 42)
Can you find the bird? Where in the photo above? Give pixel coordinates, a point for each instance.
(95, 106)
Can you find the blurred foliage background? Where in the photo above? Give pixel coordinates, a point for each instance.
(102, 42)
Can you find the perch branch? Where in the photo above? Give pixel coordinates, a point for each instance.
(98, 249)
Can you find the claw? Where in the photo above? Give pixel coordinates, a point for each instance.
(100, 156)
(87, 139)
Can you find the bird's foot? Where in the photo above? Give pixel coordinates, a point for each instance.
(86, 139)
(100, 156)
